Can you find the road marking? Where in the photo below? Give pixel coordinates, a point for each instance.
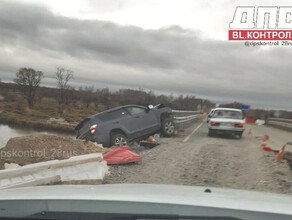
(189, 136)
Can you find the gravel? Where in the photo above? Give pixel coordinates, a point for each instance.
(211, 162)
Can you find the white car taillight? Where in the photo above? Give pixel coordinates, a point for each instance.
(213, 123)
(239, 125)
(93, 128)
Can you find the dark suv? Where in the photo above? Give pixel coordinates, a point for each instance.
(118, 126)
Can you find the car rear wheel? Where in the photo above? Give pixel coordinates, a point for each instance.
(119, 139)
(238, 136)
(167, 127)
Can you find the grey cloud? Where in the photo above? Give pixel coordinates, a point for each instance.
(39, 29)
(171, 59)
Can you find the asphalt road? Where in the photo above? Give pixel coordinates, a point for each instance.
(193, 158)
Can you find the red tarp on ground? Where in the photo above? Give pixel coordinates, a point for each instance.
(121, 155)
(250, 121)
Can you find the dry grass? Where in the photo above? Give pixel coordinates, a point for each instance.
(18, 113)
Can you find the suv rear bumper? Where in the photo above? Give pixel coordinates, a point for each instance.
(100, 139)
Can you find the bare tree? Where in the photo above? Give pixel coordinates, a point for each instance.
(63, 76)
(29, 79)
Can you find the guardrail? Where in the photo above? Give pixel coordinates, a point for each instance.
(282, 123)
(184, 119)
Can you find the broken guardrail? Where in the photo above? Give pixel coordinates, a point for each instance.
(184, 119)
(83, 169)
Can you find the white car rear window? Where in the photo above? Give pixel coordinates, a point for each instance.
(227, 114)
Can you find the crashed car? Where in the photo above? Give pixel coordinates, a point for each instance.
(210, 114)
(120, 125)
(226, 121)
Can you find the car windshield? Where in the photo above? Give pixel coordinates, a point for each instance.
(182, 99)
(227, 114)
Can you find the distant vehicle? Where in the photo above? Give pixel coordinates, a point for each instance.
(210, 115)
(118, 126)
(226, 120)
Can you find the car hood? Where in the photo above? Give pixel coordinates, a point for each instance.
(143, 198)
(227, 120)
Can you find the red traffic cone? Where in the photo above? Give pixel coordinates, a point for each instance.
(280, 155)
(266, 148)
(175, 133)
(151, 139)
(266, 137)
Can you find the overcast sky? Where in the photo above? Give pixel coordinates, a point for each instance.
(178, 47)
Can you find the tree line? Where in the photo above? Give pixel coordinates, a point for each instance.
(29, 81)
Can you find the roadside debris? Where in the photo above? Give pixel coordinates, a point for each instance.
(148, 144)
(151, 139)
(11, 165)
(121, 155)
(260, 122)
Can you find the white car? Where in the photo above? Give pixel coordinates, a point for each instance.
(226, 121)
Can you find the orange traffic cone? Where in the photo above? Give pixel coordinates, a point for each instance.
(264, 140)
(151, 139)
(280, 155)
(264, 143)
(175, 133)
(266, 148)
(266, 137)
